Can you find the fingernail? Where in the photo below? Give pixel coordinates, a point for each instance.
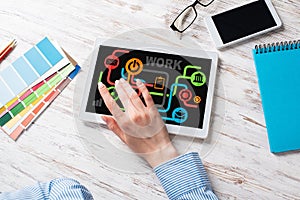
(139, 82)
(104, 119)
(122, 80)
(100, 85)
(116, 82)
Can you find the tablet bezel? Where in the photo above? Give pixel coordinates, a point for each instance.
(216, 36)
(175, 129)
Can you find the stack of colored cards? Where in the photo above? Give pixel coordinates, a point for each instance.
(31, 83)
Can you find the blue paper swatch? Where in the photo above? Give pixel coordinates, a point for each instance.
(27, 69)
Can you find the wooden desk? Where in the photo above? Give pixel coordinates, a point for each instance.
(236, 155)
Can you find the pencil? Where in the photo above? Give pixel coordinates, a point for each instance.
(7, 50)
(6, 47)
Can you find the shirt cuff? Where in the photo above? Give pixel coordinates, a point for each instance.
(182, 174)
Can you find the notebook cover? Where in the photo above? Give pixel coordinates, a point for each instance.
(279, 82)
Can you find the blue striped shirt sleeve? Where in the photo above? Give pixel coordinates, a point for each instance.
(185, 178)
(64, 188)
(182, 178)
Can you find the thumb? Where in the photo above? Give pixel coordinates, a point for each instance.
(114, 127)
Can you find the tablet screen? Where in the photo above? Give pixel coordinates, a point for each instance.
(177, 84)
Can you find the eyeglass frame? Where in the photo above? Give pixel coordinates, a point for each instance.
(193, 5)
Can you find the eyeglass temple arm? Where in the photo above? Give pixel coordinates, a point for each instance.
(204, 5)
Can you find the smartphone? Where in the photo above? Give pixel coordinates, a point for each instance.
(243, 22)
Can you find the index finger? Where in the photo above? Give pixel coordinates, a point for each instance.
(110, 103)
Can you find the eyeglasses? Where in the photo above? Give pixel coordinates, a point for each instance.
(185, 19)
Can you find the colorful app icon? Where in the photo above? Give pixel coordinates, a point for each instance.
(197, 99)
(112, 61)
(179, 115)
(134, 66)
(185, 95)
(198, 79)
(113, 93)
(159, 83)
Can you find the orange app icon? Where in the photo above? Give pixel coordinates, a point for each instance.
(197, 99)
(134, 66)
(159, 83)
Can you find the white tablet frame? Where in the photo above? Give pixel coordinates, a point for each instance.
(216, 36)
(176, 129)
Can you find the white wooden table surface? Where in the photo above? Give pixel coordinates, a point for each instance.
(236, 154)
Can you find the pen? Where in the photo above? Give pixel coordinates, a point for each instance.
(7, 50)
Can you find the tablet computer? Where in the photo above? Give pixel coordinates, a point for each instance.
(180, 81)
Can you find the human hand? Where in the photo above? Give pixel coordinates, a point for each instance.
(140, 126)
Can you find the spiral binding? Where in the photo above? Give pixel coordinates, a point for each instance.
(278, 46)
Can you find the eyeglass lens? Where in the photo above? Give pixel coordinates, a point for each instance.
(185, 19)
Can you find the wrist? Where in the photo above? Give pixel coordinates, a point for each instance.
(162, 155)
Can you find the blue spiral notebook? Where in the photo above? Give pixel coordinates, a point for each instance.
(278, 71)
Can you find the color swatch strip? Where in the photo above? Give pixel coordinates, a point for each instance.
(12, 103)
(42, 105)
(14, 115)
(29, 68)
(16, 121)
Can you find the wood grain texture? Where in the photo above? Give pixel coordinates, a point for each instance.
(236, 154)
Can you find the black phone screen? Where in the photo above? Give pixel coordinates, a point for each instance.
(243, 21)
